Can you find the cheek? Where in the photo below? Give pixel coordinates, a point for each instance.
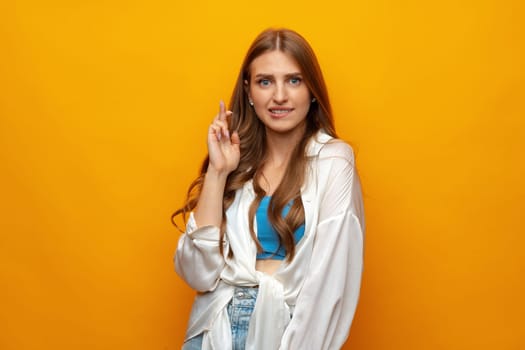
(261, 95)
(304, 99)
(259, 107)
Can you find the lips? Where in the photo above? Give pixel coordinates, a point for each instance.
(280, 112)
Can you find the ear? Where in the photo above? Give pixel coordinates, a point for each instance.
(247, 88)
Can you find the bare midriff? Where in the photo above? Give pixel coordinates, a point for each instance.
(268, 266)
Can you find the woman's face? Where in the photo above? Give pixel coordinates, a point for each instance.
(280, 97)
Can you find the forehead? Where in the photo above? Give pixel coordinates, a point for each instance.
(274, 62)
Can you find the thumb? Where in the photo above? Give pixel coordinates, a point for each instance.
(236, 141)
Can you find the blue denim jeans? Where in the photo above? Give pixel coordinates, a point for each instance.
(240, 311)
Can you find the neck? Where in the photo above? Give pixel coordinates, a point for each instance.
(281, 145)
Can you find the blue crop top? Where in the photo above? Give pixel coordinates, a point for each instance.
(268, 236)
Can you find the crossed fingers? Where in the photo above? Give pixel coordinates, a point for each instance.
(219, 126)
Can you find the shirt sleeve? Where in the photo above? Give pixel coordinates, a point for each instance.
(198, 260)
(327, 302)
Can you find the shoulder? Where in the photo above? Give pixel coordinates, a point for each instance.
(324, 146)
(338, 149)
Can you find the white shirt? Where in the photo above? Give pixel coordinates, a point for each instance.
(320, 286)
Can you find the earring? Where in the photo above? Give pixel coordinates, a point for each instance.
(313, 100)
(250, 102)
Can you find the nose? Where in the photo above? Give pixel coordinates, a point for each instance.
(280, 94)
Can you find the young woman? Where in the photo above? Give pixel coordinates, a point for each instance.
(274, 238)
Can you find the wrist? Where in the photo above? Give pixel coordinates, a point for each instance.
(216, 173)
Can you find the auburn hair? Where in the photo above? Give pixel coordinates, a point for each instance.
(253, 141)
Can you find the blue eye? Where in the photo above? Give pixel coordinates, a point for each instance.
(295, 81)
(264, 82)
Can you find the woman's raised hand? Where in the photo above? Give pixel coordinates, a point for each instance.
(223, 148)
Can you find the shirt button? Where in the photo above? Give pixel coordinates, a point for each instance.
(240, 294)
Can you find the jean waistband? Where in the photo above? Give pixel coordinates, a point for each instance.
(245, 292)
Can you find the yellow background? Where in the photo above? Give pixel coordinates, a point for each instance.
(104, 107)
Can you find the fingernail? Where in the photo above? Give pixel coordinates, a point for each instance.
(227, 134)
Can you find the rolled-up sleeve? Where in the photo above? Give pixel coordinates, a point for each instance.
(326, 304)
(198, 260)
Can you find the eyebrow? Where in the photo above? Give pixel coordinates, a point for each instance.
(289, 75)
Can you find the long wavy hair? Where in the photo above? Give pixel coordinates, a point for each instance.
(253, 141)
